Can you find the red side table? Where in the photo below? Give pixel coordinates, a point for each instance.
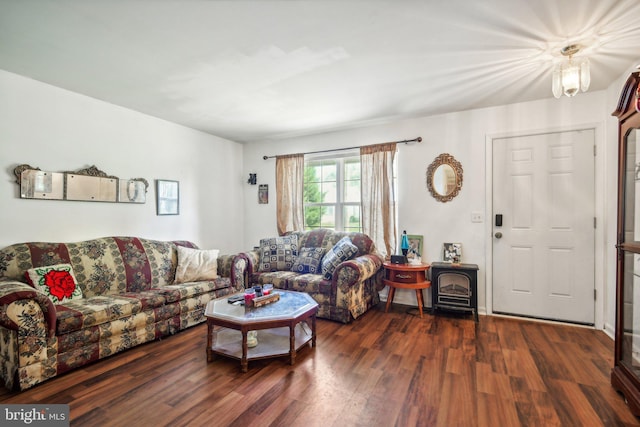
(406, 276)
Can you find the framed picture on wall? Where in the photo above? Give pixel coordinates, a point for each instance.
(263, 194)
(167, 197)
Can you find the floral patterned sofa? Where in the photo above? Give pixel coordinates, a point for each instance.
(344, 294)
(89, 300)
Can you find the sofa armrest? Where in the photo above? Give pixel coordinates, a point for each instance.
(357, 270)
(252, 260)
(234, 268)
(20, 304)
(239, 273)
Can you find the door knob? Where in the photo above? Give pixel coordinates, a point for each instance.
(498, 235)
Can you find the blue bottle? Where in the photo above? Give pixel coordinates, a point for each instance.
(404, 244)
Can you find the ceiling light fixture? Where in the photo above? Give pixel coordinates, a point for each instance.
(572, 75)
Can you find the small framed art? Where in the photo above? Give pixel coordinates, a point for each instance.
(452, 252)
(167, 197)
(415, 246)
(263, 194)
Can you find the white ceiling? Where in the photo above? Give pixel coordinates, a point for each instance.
(261, 70)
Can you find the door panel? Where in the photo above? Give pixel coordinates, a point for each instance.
(522, 273)
(543, 265)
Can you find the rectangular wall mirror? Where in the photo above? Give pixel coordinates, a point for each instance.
(35, 184)
(91, 188)
(90, 185)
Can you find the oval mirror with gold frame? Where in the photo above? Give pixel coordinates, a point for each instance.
(444, 177)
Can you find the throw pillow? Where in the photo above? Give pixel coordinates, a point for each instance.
(308, 261)
(278, 253)
(57, 281)
(196, 264)
(341, 251)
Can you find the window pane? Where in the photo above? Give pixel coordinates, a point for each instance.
(329, 194)
(352, 169)
(329, 170)
(312, 172)
(312, 192)
(312, 215)
(352, 191)
(352, 218)
(328, 217)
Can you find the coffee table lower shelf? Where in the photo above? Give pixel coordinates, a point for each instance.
(274, 342)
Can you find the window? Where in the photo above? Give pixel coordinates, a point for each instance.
(332, 193)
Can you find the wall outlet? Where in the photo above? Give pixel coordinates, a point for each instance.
(477, 217)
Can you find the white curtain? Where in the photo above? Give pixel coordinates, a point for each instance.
(289, 188)
(377, 195)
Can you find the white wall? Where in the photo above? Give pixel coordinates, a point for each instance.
(462, 134)
(57, 130)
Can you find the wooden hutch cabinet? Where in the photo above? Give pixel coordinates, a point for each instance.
(625, 376)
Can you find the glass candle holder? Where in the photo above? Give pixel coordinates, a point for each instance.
(249, 294)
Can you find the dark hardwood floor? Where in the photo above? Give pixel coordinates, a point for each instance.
(385, 369)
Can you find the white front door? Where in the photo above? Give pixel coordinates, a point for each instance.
(543, 253)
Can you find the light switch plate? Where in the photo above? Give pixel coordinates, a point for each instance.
(476, 216)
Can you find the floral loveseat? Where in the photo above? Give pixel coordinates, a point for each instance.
(295, 261)
(127, 293)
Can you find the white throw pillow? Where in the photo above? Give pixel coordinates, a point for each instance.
(196, 264)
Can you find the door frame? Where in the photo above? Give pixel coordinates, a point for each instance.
(600, 212)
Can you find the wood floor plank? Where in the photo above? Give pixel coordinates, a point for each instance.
(522, 364)
(571, 404)
(456, 389)
(384, 369)
(494, 383)
(494, 411)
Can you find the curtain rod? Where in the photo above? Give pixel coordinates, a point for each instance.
(406, 141)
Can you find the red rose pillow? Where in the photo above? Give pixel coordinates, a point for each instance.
(57, 281)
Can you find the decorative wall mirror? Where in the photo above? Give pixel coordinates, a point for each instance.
(444, 177)
(89, 184)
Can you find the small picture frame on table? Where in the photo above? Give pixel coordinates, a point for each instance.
(415, 246)
(167, 197)
(452, 252)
